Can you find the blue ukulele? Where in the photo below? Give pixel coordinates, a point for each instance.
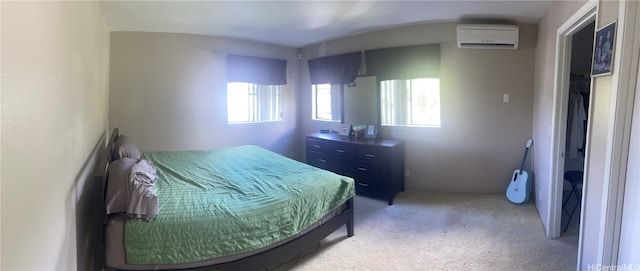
(520, 185)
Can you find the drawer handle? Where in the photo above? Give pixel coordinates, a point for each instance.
(363, 184)
(362, 169)
(316, 146)
(370, 155)
(322, 160)
(340, 151)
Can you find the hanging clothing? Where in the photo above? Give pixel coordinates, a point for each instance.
(576, 125)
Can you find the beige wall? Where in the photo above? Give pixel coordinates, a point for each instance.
(168, 92)
(482, 139)
(54, 112)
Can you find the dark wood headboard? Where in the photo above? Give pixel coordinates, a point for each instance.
(103, 165)
(100, 176)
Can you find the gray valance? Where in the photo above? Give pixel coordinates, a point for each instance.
(256, 70)
(337, 69)
(407, 62)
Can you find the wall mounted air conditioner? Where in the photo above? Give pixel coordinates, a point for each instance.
(487, 36)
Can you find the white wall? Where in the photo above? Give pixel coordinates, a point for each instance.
(168, 92)
(54, 112)
(630, 243)
(482, 139)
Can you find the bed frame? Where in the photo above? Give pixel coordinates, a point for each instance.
(260, 261)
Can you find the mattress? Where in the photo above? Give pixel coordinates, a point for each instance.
(222, 205)
(115, 256)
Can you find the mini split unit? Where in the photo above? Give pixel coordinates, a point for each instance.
(487, 36)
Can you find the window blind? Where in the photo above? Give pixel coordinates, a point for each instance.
(256, 70)
(337, 69)
(404, 63)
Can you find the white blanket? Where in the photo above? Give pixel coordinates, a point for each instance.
(143, 201)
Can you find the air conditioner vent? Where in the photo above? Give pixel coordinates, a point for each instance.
(484, 36)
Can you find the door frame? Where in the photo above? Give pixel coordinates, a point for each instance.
(584, 16)
(626, 69)
(618, 143)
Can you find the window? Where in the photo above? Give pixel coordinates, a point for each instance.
(414, 102)
(247, 102)
(326, 102)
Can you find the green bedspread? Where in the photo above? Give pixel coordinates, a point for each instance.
(223, 202)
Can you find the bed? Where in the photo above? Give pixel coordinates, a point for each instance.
(239, 208)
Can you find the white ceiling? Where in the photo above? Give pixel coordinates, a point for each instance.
(301, 23)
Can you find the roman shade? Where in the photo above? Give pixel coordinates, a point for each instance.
(256, 70)
(403, 63)
(337, 69)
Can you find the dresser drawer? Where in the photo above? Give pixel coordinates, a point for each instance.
(324, 161)
(373, 154)
(371, 186)
(342, 149)
(332, 147)
(365, 169)
(317, 145)
(377, 166)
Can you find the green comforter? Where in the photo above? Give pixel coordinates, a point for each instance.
(229, 201)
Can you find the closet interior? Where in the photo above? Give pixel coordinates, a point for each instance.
(576, 129)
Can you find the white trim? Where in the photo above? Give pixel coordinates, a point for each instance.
(585, 15)
(624, 84)
(629, 247)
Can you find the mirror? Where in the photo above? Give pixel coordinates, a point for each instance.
(361, 101)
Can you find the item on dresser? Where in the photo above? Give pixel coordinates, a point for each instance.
(345, 129)
(359, 132)
(372, 131)
(377, 165)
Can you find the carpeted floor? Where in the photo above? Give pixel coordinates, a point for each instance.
(440, 231)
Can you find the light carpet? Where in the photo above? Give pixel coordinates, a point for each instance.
(442, 231)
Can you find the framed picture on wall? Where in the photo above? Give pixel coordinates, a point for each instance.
(603, 50)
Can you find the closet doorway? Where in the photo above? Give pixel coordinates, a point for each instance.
(576, 129)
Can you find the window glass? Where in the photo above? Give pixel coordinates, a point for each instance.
(247, 102)
(413, 102)
(326, 102)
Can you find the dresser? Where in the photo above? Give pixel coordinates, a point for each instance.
(377, 165)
